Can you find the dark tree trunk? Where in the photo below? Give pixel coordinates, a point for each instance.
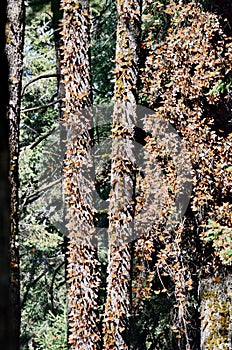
(14, 50)
(7, 337)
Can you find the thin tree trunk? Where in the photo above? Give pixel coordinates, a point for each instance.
(14, 50)
(118, 303)
(7, 338)
(82, 270)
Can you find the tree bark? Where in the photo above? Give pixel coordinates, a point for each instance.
(118, 303)
(14, 51)
(82, 269)
(7, 338)
(216, 312)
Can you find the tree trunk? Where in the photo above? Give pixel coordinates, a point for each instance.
(216, 313)
(82, 270)
(7, 338)
(118, 303)
(14, 50)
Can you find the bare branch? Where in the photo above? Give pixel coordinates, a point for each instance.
(41, 107)
(52, 284)
(29, 128)
(41, 138)
(36, 194)
(41, 76)
(29, 286)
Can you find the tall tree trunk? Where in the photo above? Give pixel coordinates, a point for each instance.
(216, 312)
(118, 302)
(14, 50)
(83, 276)
(7, 338)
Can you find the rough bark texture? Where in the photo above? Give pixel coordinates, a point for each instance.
(7, 338)
(118, 304)
(216, 313)
(83, 277)
(14, 49)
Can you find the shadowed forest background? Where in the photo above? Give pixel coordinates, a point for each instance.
(78, 276)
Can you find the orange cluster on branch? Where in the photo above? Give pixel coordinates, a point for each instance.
(186, 80)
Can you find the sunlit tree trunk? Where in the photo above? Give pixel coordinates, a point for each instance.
(118, 303)
(14, 49)
(82, 270)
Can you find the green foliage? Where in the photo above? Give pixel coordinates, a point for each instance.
(218, 231)
(39, 58)
(222, 240)
(223, 86)
(43, 291)
(103, 49)
(52, 333)
(151, 326)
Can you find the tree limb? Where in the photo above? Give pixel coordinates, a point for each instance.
(35, 195)
(41, 138)
(29, 285)
(41, 76)
(52, 284)
(40, 107)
